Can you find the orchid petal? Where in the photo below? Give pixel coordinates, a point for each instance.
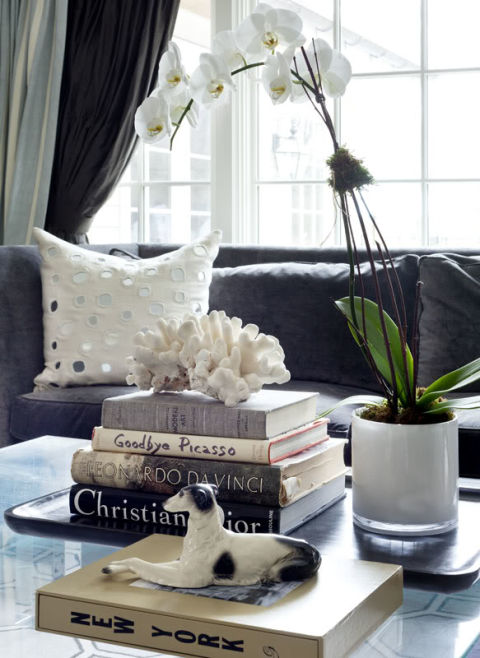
(286, 23)
(193, 115)
(266, 28)
(276, 78)
(283, 18)
(298, 94)
(248, 34)
(323, 52)
(262, 8)
(178, 105)
(211, 81)
(175, 50)
(225, 46)
(337, 77)
(289, 53)
(152, 121)
(172, 76)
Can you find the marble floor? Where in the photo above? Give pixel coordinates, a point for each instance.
(428, 625)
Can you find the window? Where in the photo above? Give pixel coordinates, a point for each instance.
(164, 196)
(410, 112)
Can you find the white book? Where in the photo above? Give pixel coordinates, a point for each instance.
(256, 451)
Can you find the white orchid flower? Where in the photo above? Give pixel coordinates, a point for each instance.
(266, 29)
(211, 82)
(338, 75)
(172, 77)
(225, 46)
(330, 68)
(178, 105)
(152, 120)
(276, 78)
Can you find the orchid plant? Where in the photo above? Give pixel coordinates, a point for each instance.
(271, 39)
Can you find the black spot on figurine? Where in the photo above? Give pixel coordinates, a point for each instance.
(224, 567)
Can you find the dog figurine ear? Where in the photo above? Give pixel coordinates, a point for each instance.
(214, 488)
(203, 497)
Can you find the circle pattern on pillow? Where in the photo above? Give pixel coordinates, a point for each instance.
(94, 304)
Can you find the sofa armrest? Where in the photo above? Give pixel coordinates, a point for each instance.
(21, 327)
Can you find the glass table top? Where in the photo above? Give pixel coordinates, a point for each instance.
(428, 625)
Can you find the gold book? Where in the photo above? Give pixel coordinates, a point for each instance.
(324, 617)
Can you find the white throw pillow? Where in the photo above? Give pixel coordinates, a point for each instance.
(94, 304)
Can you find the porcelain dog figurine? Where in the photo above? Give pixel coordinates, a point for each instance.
(213, 555)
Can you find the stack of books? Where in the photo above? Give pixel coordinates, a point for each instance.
(273, 463)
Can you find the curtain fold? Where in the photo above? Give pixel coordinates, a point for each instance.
(32, 42)
(111, 59)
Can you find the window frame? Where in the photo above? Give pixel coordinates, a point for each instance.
(235, 179)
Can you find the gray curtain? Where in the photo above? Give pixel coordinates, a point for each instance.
(111, 61)
(32, 43)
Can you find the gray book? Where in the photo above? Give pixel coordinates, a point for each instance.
(264, 415)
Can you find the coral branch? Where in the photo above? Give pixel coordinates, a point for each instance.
(212, 354)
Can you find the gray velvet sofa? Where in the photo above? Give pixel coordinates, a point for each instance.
(289, 293)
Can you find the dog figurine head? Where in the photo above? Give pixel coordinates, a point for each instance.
(195, 499)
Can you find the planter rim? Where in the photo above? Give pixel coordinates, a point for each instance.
(401, 426)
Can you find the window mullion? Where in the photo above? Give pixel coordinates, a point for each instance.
(424, 119)
(245, 190)
(221, 172)
(143, 196)
(225, 184)
(337, 112)
(246, 165)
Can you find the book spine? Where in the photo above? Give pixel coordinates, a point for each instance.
(137, 507)
(214, 420)
(236, 481)
(180, 445)
(164, 632)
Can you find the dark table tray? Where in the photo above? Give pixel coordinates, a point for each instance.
(448, 562)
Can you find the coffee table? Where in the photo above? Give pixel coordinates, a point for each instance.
(431, 622)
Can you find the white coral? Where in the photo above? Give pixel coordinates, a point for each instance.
(211, 353)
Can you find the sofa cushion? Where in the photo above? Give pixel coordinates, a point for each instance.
(70, 411)
(450, 316)
(294, 302)
(94, 304)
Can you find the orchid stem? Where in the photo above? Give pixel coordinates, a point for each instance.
(246, 67)
(182, 116)
(378, 294)
(416, 337)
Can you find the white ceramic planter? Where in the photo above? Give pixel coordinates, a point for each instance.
(405, 477)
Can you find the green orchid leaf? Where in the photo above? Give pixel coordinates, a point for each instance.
(376, 343)
(454, 403)
(463, 376)
(354, 399)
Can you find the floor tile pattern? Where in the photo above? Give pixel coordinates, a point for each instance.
(428, 625)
